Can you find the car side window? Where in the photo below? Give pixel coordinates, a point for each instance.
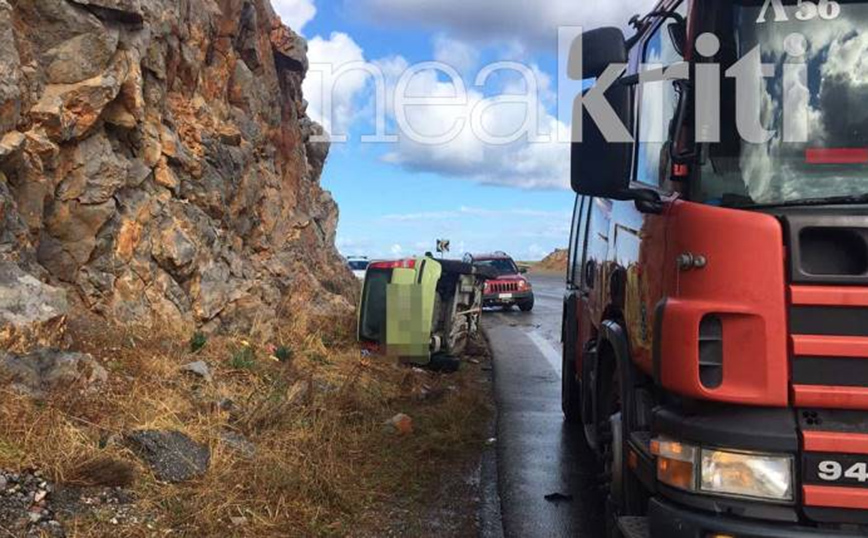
(658, 102)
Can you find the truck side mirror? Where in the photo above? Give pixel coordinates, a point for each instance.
(601, 168)
(595, 51)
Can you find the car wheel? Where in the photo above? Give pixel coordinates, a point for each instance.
(526, 306)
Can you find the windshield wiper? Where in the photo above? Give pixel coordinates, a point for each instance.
(738, 201)
(828, 200)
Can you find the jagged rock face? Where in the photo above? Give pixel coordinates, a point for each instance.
(156, 159)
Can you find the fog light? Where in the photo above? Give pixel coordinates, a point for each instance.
(676, 463)
(762, 476)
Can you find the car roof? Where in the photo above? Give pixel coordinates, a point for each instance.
(491, 256)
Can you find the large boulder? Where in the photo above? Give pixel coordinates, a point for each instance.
(44, 370)
(32, 313)
(172, 456)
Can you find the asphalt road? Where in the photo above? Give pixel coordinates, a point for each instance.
(537, 455)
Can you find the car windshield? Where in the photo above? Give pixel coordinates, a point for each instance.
(812, 107)
(501, 265)
(359, 265)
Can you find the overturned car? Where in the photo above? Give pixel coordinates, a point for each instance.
(421, 310)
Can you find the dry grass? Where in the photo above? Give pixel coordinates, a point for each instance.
(324, 465)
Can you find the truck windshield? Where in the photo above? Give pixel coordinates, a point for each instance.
(812, 106)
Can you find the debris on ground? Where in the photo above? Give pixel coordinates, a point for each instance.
(557, 498)
(400, 424)
(200, 369)
(24, 509)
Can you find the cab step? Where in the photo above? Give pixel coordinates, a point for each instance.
(634, 527)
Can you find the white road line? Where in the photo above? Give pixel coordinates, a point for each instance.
(548, 351)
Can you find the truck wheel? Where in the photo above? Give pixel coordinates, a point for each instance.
(571, 400)
(526, 306)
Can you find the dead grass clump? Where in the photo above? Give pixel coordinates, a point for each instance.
(103, 471)
(324, 464)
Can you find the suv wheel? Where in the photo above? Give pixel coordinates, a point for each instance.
(526, 306)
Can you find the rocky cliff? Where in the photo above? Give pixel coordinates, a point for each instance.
(156, 161)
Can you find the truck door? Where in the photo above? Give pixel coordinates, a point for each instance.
(595, 269)
(575, 301)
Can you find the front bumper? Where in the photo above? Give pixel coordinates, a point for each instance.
(670, 521)
(501, 299)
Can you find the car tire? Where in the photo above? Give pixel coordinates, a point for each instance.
(526, 306)
(444, 364)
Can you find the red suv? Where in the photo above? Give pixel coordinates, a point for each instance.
(510, 288)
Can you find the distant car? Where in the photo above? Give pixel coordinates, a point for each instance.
(510, 288)
(359, 266)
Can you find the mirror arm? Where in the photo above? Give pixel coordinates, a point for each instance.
(647, 201)
(691, 155)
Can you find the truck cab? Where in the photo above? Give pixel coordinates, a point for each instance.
(715, 334)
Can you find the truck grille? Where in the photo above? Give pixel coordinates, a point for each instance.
(503, 287)
(829, 328)
(830, 347)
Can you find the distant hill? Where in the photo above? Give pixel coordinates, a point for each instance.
(554, 262)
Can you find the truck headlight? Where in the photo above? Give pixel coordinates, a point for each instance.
(762, 476)
(720, 472)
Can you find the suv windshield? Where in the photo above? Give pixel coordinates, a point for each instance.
(820, 151)
(359, 265)
(502, 266)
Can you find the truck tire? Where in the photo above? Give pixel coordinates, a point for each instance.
(571, 400)
(526, 306)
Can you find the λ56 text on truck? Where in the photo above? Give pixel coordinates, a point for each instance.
(715, 334)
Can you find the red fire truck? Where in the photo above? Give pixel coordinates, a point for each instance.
(716, 318)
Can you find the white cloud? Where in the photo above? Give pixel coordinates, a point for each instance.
(295, 13)
(465, 212)
(533, 161)
(461, 55)
(327, 87)
(534, 23)
(397, 250)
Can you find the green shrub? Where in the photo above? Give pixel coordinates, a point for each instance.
(283, 354)
(243, 359)
(198, 342)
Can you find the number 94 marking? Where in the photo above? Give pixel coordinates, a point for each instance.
(827, 10)
(832, 471)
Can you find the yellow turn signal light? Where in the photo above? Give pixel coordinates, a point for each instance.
(676, 463)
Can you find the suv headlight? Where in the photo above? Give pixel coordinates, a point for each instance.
(721, 472)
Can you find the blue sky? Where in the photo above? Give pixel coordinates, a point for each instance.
(397, 198)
